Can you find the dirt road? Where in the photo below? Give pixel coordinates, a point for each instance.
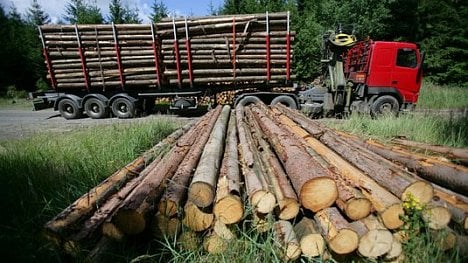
(20, 123)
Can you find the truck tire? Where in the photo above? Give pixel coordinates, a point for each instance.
(248, 100)
(96, 108)
(285, 100)
(69, 109)
(123, 108)
(385, 105)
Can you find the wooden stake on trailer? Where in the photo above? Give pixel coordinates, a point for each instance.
(267, 43)
(45, 52)
(176, 51)
(82, 58)
(288, 51)
(156, 56)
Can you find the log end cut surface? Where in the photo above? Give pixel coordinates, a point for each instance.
(437, 217)
(312, 245)
(229, 210)
(289, 208)
(345, 242)
(391, 216)
(196, 219)
(130, 222)
(214, 244)
(201, 194)
(375, 243)
(263, 201)
(318, 193)
(358, 208)
(421, 191)
(168, 208)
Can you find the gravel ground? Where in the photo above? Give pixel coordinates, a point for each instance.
(21, 123)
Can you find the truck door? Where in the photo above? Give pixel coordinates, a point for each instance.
(405, 75)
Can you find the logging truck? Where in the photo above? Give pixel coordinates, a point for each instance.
(99, 70)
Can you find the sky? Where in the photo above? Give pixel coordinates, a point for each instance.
(56, 8)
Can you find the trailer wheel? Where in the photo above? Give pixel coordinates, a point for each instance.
(69, 109)
(286, 101)
(385, 105)
(248, 100)
(123, 108)
(96, 108)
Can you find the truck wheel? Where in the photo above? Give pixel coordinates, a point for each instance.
(248, 100)
(96, 108)
(385, 105)
(123, 108)
(285, 100)
(69, 109)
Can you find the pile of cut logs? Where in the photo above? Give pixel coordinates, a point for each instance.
(317, 190)
(217, 50)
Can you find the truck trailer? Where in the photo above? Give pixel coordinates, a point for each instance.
(121, 69)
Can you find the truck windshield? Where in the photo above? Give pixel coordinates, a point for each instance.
(406, 58)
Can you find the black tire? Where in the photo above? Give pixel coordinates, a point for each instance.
(286, 101)
(123, 108)
(248, 100)
(69, 109)
(96, 108)
(385, 105)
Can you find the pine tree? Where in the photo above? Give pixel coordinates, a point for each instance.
(82, 12)
(36, 15)
(116, 12)
(159, 11)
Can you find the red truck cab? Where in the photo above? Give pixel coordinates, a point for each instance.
(386, 68)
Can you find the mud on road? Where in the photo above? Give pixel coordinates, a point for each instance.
(21, 123)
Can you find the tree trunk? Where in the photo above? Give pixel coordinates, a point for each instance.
(450, 152)
(312, 243)
(164, 226)
(316, 190)
(228, 207)
(131, 215)
(196, 219)
(290, 248)
(203, 187)
(176, 190)
(376, 240)
(335, 229)
(260, 197)
(276, 177)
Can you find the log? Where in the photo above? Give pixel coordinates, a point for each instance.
(380, 170)
(228, 207)
(277, 179)
(262, 222)
(196, 219)
(258, 192)
(350, 199)
(453, 153)
(396, 252)
(316, 190)
(110, 231)
(436, 216)
(176, 190)
(335, 229)
(87, 203)
(445, 239)
(388, 205)
(223, 231)
(164, 226)
(132, 213)
(312, 243)
(455, 203)
(286, 240)
(214, 244)
(202, 189)
(376, 240)
(450, 176)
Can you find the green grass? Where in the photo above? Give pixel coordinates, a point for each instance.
(41, 175)
(442, 97)
(426, 128)
(15, 104)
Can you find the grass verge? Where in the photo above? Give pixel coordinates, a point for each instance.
(442, 97)
(41, 175)
(450, 131)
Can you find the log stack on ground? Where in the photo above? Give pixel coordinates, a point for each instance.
(266, 167)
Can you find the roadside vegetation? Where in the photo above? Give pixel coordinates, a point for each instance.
(41, 175)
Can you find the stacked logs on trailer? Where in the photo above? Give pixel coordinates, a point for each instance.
(318, 191)
(177, 52)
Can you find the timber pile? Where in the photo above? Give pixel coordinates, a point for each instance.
(218, 50)
(313, 188)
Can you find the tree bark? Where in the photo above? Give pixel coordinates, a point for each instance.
(203, 187)
(286, 239)
(228, 207)
(335, 229)
(316, 189)
(450, 152)
(312, 243)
